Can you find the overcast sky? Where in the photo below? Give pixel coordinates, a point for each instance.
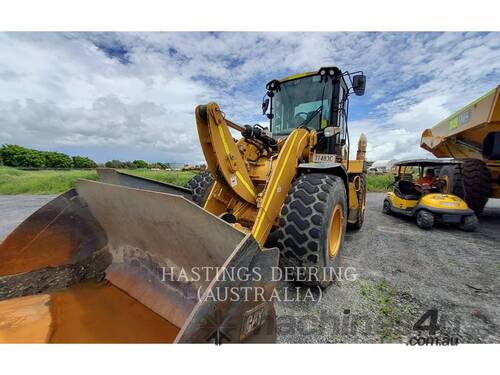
(132, 95)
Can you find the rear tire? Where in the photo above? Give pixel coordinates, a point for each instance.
(425, 219)
(312, 226)
(469, 223)
(454, 180)
(476, 184)
(200, 186)
(470, 181)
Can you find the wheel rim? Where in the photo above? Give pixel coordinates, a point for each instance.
(335, 231)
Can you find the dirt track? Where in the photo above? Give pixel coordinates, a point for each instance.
(400, 272)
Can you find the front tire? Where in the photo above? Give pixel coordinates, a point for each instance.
(425, 219)
(386, 208)
(200, 186)
(312, 227)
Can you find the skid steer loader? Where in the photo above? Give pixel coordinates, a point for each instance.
(120, 260)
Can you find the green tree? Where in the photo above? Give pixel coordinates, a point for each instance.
(18, 156)
(114, 164)
(83, 162)
(57, 160)
(129, 165)
(140, 164)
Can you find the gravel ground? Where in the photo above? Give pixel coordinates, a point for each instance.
(402, 272)
(15, 208)
(393, 272)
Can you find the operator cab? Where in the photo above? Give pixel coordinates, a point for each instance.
(316, 100)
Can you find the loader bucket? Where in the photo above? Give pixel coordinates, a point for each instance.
(112, 263)
(112, 176)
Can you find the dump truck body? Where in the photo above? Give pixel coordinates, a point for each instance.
(472, 135)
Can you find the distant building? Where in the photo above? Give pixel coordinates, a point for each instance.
(381, 166)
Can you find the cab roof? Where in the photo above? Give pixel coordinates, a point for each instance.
(297, 76)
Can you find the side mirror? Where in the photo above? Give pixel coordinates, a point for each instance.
(359, 84)
(265, 106)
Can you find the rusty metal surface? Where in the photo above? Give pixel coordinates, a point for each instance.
(111, 176)
(61, 232)
(149, 230)
(137, 232)
(222, 321)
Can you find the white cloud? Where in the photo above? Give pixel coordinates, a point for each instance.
(68, 91)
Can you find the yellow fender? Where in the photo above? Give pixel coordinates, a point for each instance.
(279, 183)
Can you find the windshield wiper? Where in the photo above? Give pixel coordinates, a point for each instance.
(308, 120)
(318, 110)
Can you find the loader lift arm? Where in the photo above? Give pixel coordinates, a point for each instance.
(226, 163)
(221, 151)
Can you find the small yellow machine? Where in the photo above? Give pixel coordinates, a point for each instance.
(120, 259)
(424, 198)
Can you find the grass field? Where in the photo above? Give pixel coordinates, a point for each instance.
(172, 177)
(379, 183)
(15, 181)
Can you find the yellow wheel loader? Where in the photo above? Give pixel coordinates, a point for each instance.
(128, 259)
(472, 137)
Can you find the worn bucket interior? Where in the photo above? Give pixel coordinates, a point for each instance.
(108, 263)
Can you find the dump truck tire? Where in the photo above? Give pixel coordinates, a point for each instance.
(425, 219)
(476, 178)
(314, 210)
(200, 186)
(454, 179)
(470, 181)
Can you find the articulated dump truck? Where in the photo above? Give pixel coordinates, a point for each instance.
(128, 259)
(471, 135)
